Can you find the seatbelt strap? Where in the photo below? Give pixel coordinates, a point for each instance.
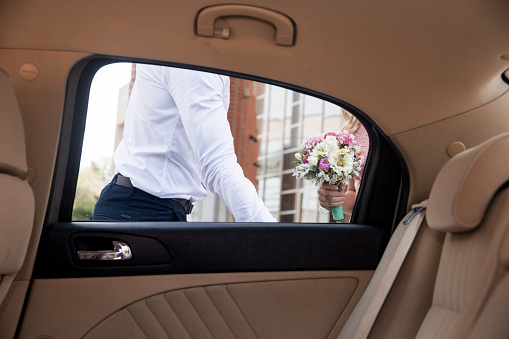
(413, 221)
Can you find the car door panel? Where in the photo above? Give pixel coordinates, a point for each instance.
(273, 276)
(255, 279)
(68, 297)
(173, 248)
(306, 304)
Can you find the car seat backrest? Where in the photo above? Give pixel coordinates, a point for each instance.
(12, 148)
(469, 202)
(465, 186)
(492, 321)
(16, 197)
(453, 282)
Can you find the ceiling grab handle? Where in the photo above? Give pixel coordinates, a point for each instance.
(207, 17)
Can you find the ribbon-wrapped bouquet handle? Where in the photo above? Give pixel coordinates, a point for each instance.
(337, 211)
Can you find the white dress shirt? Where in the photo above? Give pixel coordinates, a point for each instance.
(177, 140)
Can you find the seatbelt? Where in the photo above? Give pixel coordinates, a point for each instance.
(413, 221)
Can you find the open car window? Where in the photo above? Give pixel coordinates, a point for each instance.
(269, 125)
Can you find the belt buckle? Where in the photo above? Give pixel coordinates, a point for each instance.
(188, 207)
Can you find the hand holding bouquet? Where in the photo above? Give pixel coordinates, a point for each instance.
(334, 158)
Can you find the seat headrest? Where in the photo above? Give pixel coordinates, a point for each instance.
(12, 134)
(466, 184)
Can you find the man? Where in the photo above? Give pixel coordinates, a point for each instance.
(177, 143)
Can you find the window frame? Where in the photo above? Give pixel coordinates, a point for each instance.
(383, 156)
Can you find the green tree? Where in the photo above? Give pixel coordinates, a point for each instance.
(91, 181)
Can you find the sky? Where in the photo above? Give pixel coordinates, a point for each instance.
(99, 137)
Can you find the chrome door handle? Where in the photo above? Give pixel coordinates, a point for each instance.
(121, 251)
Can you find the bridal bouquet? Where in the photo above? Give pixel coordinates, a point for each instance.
(334, 158)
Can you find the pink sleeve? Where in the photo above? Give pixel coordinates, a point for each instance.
(362, 138)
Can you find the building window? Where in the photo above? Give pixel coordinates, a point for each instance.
(285, 120)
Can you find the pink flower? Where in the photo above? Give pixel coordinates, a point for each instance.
(324, 163)
(310, 143)
(330, 133)
(346, 139)
(305, 159)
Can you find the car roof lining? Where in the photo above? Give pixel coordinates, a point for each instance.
(363, 66)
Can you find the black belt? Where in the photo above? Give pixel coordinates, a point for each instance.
(120, 180)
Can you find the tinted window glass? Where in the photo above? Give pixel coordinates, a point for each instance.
(268, 123)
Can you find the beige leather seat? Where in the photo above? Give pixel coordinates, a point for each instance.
(470, 203)
(468, 296)
(16, 197)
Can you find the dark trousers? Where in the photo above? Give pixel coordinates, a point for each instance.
(119, 203)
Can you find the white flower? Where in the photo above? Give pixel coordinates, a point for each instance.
(298, 156)
(302, 171)
(332, 142)
(313, 161)
(341, 162)
(321, 150)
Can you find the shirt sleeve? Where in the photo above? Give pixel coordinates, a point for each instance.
(202, 100)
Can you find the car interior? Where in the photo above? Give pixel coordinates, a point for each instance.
(424, 253)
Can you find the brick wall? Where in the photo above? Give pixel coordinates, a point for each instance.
(242, 118)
